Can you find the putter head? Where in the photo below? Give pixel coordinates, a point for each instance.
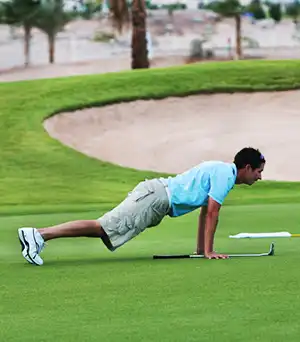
(272, 249)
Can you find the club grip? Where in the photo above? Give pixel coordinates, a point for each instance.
(180, 256)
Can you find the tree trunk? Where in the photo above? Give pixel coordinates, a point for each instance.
(171, 14)
(139, 52)
(27, 37)
(238, 36)
(51, 48)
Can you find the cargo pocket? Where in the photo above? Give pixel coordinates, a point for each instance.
(139, 195)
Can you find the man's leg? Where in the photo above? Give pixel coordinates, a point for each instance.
(33, 240)
(81, 228)
(88, 228)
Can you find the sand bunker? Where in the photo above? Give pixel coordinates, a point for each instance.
(174, 134)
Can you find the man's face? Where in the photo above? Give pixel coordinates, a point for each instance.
(253, 175)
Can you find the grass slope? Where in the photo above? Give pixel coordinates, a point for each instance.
(37, 171)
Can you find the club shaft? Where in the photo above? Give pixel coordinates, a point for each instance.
(192, 256)
(198, 256)
(181, 256)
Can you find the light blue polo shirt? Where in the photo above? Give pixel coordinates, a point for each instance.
(190, 190)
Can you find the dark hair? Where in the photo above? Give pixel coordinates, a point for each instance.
(249, 156)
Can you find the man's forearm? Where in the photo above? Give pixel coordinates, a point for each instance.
(210, 229)
(201, 230)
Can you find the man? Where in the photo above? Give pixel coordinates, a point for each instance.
(205, 185)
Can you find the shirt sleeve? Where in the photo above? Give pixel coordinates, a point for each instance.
(221, 183)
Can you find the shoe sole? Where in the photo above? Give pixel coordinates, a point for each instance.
(25, 248)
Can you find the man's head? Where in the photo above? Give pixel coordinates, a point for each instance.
(250, 164)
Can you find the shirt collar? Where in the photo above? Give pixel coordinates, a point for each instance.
(234, 170)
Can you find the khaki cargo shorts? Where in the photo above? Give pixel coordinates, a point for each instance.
(145, 206)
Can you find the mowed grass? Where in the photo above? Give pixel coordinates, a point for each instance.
(86, 293)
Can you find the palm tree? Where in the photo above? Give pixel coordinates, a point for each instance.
(51, 19)
(121, 16)
(139, 52)
(21, 12)
(233, 9)
(2, 14)
(293, 10)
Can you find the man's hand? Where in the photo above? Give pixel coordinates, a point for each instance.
(214, 255)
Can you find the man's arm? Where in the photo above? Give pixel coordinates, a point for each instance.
(211, 222)
(201, 230)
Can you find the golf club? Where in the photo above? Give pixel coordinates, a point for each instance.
(196, 256)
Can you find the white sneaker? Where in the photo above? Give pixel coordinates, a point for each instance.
(32, 244)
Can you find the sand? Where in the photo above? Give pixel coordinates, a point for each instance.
(174, 134)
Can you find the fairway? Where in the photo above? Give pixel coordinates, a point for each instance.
(86, 293)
